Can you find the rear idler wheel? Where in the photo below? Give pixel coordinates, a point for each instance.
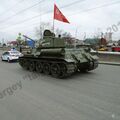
(46, 68)
(25, 64)
(55, 70)
(39, 67)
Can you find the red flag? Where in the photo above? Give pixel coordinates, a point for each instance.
(59, 16)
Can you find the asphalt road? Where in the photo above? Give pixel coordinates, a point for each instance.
(28, 96)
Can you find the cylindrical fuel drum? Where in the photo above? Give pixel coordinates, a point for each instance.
(53, 52)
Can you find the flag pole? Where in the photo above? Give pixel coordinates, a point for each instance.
(53, 18)
(53, 30)
(53, 25)
(75, 37)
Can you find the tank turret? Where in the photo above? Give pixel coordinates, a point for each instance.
(52, 57)
(50, 41)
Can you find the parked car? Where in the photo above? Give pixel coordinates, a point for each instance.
(12, 55)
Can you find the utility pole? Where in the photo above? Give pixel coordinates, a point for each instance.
(40, 24)
(75, 37)
(84, 36)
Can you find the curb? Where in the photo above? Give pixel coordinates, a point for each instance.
(109, 63)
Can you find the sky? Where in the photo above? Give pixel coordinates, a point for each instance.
(87, 17)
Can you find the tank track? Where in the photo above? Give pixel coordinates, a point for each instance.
(88, 66)
(58, 68)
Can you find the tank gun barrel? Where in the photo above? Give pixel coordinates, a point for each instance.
(28, 37)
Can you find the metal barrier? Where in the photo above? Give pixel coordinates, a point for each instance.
(107, 56)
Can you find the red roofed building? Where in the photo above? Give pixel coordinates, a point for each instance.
(12, 43)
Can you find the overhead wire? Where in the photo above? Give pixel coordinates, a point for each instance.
(22, 11)
(86, 10)
(10, 8)
(94, 8)
(49, 11)
(73, 3)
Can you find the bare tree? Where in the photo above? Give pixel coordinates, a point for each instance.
(58, 32)
(19, 39)
(66, 34)
(119, 42)
(39, 30)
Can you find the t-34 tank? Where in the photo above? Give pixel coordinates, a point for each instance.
(51, 57)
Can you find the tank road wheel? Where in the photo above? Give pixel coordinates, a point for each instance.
(46, 68)
(63, 71)
(39, 67)
(31, 66)
(55, 70)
